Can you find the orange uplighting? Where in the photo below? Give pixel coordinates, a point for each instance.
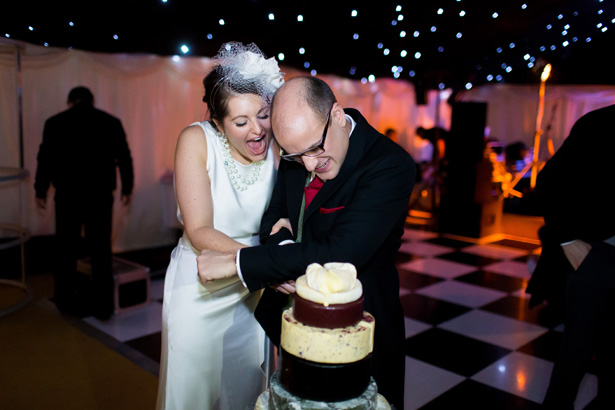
(521, 380)
(545, 73)
(541, 103)
(550, 147)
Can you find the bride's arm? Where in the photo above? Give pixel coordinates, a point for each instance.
(193, 192)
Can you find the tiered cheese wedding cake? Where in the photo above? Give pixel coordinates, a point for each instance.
(326, 346)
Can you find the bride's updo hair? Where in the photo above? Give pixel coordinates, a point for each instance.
(239, 69)
(217, 96)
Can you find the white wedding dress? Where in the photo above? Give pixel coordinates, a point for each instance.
(212, 346)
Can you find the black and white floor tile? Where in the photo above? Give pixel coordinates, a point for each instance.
(470, 335)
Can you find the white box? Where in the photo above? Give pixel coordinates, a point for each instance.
(126, 274)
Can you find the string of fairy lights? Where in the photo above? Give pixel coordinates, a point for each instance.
(405, 44)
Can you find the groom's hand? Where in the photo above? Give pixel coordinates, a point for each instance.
(281, 223)
(286, 287)
(214, 265)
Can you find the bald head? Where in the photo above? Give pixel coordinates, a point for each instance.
(306, 118)
(287, 102)
(302, 93)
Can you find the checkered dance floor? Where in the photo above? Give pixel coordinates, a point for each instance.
(470, 336)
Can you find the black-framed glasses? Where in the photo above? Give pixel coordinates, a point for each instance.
(310, 152)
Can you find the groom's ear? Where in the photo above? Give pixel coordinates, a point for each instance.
(338, 114)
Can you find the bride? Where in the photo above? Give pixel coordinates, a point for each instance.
(225, 168)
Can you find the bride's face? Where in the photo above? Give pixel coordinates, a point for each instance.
(247, 127)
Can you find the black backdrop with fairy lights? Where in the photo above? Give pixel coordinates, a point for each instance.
(436, 43)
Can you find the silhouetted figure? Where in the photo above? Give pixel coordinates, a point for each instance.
(81, 149)
(576, 270)
(438, 137)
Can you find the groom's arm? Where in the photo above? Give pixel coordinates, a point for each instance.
(379, 201)
(214, 265)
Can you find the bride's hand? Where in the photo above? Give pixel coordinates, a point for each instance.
(286, 287)
(282, 223)
(214, 265)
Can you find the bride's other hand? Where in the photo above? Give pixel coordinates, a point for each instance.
(287, 288)
(282, 223)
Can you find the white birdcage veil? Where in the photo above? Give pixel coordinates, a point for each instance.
(244, 69)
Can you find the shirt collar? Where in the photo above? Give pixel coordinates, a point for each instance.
(352, 122)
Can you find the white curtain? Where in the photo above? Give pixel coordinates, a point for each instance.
(512, 110)
(155, 97)
(389, 103)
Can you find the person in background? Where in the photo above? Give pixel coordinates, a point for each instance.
(81, 149)
(576, 269)
(437, 136)
(426, 155)
(432, 165)
(392, 134)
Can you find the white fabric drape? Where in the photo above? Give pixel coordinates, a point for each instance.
(155, 97)
(389, 103)
(512, 110)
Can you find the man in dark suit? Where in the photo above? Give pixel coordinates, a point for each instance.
(81, 149)
(357, 216)
(576, 270)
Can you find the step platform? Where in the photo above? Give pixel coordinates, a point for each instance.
(131, 283)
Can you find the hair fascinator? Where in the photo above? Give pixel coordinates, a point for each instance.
(244, 69)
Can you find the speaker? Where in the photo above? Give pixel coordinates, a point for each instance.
(467, 134)
(471, 205)
(464, 146)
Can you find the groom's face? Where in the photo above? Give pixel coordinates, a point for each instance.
(298, 129)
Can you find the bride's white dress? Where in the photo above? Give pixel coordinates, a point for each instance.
(212, 347)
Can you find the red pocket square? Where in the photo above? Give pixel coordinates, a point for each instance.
(330, 210)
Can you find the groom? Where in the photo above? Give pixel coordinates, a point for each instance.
(361, 187)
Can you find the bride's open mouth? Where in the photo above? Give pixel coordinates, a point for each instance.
(257, 146)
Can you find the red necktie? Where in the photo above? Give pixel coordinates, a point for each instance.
(312, 189)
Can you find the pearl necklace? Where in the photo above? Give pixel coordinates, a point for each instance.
(239, 182)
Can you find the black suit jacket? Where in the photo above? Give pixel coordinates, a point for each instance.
(357, 217)
(575, 195)
(81, 149)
